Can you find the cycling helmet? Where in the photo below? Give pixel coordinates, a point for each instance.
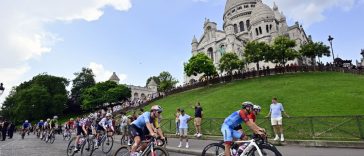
(108, 114)
(91, 116)
(26, 120)
(48, 119)
(71, 119)
(41, 120)
(157, 108)
(55, 117)
(247, 104)
(257, 108)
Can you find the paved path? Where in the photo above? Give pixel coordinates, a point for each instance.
(32, 146)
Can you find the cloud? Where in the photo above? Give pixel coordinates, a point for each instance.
(23, 33)
(309, 11)
(101, 74)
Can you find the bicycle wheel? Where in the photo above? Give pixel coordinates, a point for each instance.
(52, 138)
(107, 144)
(122, 151)
(266, 149)
(158, 151)
(214, 149)
(87, 148)
(71, 147)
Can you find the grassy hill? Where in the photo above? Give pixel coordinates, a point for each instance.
(302, 94)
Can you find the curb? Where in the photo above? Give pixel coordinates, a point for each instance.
(306, 143)
(184, 151)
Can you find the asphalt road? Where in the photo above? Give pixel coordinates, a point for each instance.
(31, 146)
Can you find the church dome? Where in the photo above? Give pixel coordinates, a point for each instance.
(261, 12)
(233, 3)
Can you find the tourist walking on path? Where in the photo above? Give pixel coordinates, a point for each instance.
(183, 127)
(275, 114)
(4, 129)
(177, 120)
(198, 118)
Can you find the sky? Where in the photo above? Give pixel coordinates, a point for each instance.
(141, 38)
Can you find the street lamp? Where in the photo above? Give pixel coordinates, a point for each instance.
(1, 89)
(332, 50)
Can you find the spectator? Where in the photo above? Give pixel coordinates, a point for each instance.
(275, 114)
(11, 130)
(198, 118)
(183, 127)
(4, 129)
(177, 120)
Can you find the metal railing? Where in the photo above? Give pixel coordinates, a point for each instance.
(297, 128)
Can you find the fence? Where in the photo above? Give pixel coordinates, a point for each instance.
(298, 128)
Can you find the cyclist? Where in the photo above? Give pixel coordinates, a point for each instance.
(79, 130)
(233, 121)
(104, 125)
(26, 126)
(54, 124)
(40, 127)
(143, 125)
(69, 125)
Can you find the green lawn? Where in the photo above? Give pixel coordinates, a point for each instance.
(302, 94)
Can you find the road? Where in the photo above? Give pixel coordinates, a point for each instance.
(31, 146)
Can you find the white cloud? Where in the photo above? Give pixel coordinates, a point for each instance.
(23, 33)
(101, 74)
(309, 11)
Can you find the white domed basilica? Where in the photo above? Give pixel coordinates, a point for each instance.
(245, 20)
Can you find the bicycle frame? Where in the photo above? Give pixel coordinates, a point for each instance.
(251, 143)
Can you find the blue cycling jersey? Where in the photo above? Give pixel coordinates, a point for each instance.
(236, 118)
(141, 121)
(25, 124)
(40, 124)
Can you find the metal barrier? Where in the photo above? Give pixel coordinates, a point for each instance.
(302, 128)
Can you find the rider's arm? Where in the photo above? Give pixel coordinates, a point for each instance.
(84, 128)
(150, 128)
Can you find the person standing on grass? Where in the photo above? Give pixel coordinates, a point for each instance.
(178, 113)
(275, 114)
(198, 118)
(183, 127)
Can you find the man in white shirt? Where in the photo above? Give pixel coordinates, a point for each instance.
(275, 114)
(183, 127)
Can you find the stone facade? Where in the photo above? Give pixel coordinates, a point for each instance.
(244, 21)
(140, 93)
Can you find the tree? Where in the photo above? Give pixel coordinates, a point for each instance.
(200, 64)
(155, 78)
(166, 81)
(282, 50)
(41, 97)
(104, 92)
(229, 62)
(83, 80)
(313, 50)
(256, 51)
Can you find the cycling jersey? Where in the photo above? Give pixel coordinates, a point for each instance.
(40, 124)
(236, 118)
(54, 123)
(26, 125)
(105, 122)
(252, 116)
(141, 121)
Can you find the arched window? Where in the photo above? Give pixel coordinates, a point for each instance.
(241, 24)
(256, 31)
(247, 23)
(266, 28)
(260, 30)
(211, 53)
(235, 28)
(222, 49)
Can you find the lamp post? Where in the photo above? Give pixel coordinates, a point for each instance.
(332, 50)
(1, 89)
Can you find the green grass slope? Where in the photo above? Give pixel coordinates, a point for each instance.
(302, 94)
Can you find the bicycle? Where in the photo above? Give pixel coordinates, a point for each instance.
(152, 149)
(86, 146)
(67, 135)
(51, 137)
(105, 140)
(257, 146)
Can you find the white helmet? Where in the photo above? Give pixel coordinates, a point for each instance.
(26, 120)
(91, 116)
(247, 104)
(55, 117)
(257, 108)
(108, 114)
(41, 120)
(157, 108)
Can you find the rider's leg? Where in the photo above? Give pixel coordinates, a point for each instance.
(136, 143)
